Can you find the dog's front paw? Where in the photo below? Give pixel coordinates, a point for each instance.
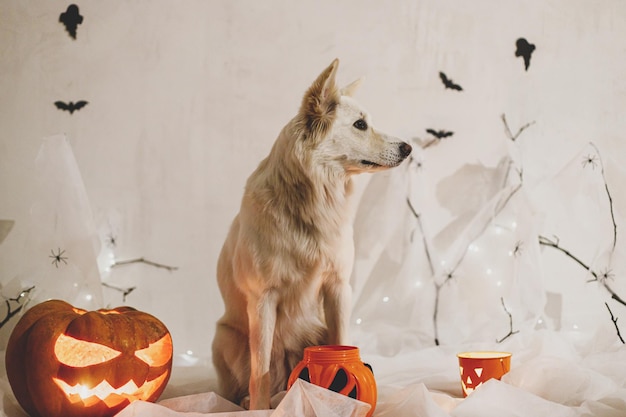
(245, 402)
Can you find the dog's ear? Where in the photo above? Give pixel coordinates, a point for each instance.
(318, 105)
(327, 80)
(351, 88)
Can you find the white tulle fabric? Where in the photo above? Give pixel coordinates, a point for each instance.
(523, 266)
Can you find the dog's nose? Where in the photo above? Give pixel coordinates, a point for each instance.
(405, 149)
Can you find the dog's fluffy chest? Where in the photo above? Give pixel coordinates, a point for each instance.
(308, 242)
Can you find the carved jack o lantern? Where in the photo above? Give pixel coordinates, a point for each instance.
(64, 361)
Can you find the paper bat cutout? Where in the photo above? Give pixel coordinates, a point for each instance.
(439, 134)
(448, 83)
(71, 106)
(525, 50)
(71, 18)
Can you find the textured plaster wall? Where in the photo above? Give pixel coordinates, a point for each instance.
(185, 98)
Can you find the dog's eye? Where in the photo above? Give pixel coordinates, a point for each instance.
(360, 124)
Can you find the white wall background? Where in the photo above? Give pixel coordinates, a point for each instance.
(185, 98)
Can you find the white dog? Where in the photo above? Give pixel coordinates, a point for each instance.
(285, 267)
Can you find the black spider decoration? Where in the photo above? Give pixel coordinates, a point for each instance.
(111, 240)
(606, 275)
(71, 18)
(590, 159)
(58, 257)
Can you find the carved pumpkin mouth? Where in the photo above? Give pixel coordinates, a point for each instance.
(104, 392)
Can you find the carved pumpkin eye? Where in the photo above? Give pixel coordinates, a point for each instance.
(79, 353)
(158, 353)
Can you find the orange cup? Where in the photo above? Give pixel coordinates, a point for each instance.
(478, 367)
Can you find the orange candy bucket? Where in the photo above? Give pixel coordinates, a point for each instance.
(338, 368)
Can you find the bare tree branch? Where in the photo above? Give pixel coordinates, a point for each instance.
(608, 194)
(145, 261)
(508, 131)
(614, 320)
(555, 244)
(21, 299)
(436, 309)
(511, 331)
(501, 204)
(425, 242)
(124, 291)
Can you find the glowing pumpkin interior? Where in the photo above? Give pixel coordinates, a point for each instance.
(78, 353)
